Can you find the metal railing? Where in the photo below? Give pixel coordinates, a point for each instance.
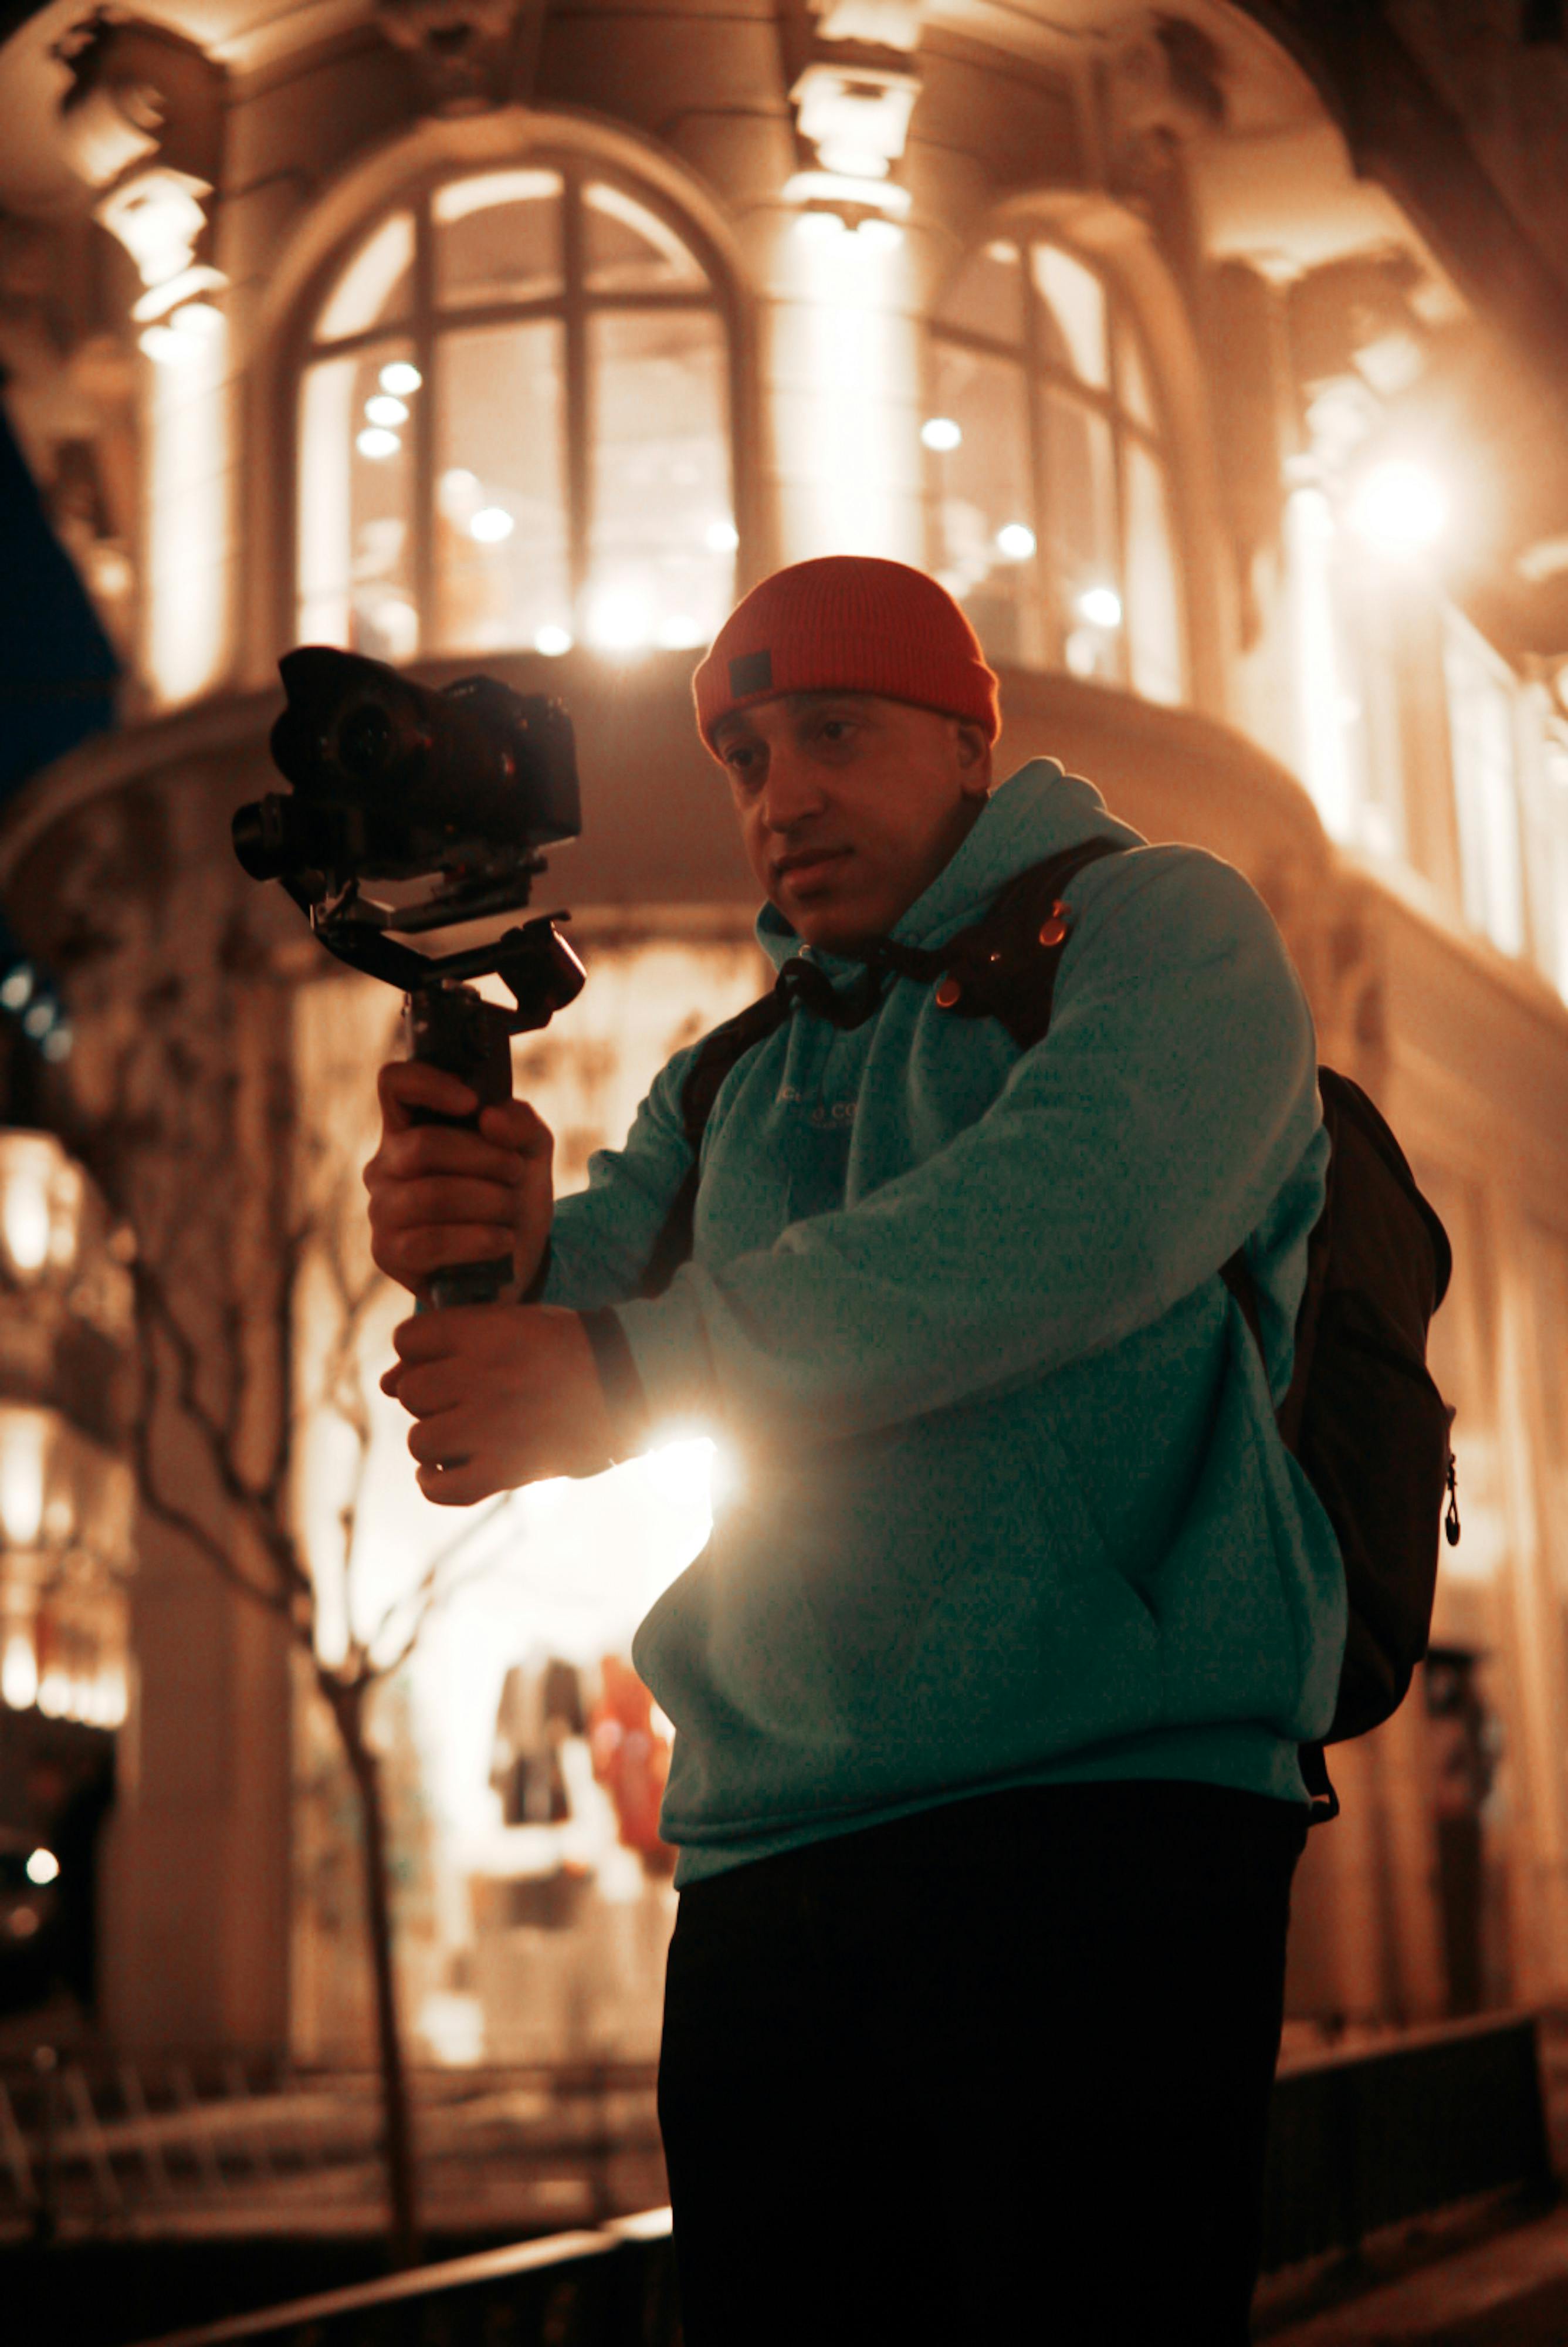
(614, 2287)
(1357, 2142)
(196, 2144)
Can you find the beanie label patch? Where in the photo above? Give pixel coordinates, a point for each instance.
(751, 672)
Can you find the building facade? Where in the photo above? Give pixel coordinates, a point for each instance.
(1209, 358)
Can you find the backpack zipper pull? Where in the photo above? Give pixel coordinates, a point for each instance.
(1450, 1516)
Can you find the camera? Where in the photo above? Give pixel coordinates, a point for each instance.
(395, 784)
(394, 781)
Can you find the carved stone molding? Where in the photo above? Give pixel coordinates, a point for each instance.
(470, 55)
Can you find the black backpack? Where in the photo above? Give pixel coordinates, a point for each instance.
(1363, 1417)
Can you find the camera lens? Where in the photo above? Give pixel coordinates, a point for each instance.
(367, 741)
(259, 840)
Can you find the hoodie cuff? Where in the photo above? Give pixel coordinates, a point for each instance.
(619, 1381)
(667, 1347)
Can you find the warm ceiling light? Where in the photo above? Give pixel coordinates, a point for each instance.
(377, 443)
(1400, 507)
(491, 525)
(1101, 606)
(398, 377)
(1015, 540)
(553, 642)
(383, 409)
(720, 537)
(940, 432)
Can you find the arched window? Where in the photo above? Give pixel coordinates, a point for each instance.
(514, 426)
(1047, 479)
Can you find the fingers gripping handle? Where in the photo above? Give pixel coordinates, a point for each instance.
(453, 1028)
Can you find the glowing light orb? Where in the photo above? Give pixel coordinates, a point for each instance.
(552, 641)
(1015, 540)
(940, 432)
(400, 378)
(377, 443)
(1400, 507)
(383, 409)
(491, 523)
(618, 620)
(1101, 606)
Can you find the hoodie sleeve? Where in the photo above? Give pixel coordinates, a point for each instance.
(601, 1238)
(1126, 1157)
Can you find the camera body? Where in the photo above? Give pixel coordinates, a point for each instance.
(394, 781)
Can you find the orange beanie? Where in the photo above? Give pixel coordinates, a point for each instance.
(848, 623)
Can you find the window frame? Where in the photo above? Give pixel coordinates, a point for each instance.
(1043, 372)
(427, 319)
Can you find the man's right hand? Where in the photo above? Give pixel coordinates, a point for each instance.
(440, 1195)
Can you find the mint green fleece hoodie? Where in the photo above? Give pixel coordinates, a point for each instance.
(1011, 1506)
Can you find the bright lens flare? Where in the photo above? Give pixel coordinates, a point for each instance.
(1399, 507)
(619, 621)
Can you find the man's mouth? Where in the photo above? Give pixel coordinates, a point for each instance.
(807, 867)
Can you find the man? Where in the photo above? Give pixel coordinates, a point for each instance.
(988, 1688)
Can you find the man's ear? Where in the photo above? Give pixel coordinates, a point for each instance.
(974, 761)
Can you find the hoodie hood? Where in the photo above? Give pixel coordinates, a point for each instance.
(1034, 814)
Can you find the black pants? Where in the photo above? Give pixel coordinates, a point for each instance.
(997, 2072)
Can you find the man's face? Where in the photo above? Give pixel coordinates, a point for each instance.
(850, 805)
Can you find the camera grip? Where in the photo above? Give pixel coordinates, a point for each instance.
(455, 1029)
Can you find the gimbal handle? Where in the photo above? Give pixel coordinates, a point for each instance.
(451, 1026)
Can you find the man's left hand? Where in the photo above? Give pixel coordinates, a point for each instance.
(502, 1394)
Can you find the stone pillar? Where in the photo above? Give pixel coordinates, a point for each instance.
(182, 1107)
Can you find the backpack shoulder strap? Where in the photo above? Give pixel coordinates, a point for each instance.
(1004, 965)
(717, 1053)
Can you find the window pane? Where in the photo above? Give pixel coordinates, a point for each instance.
(355, 490)
(627, 249)
(987, 297)
(985, 504)
(376, 287)
(500, 531)
(1133, 388)
(1074, 316)
(1481, 726)
(1153, 592)
(498, 238)
(1081, 563)
(661, 538)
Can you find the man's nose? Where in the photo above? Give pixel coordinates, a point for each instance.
(792, 793)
